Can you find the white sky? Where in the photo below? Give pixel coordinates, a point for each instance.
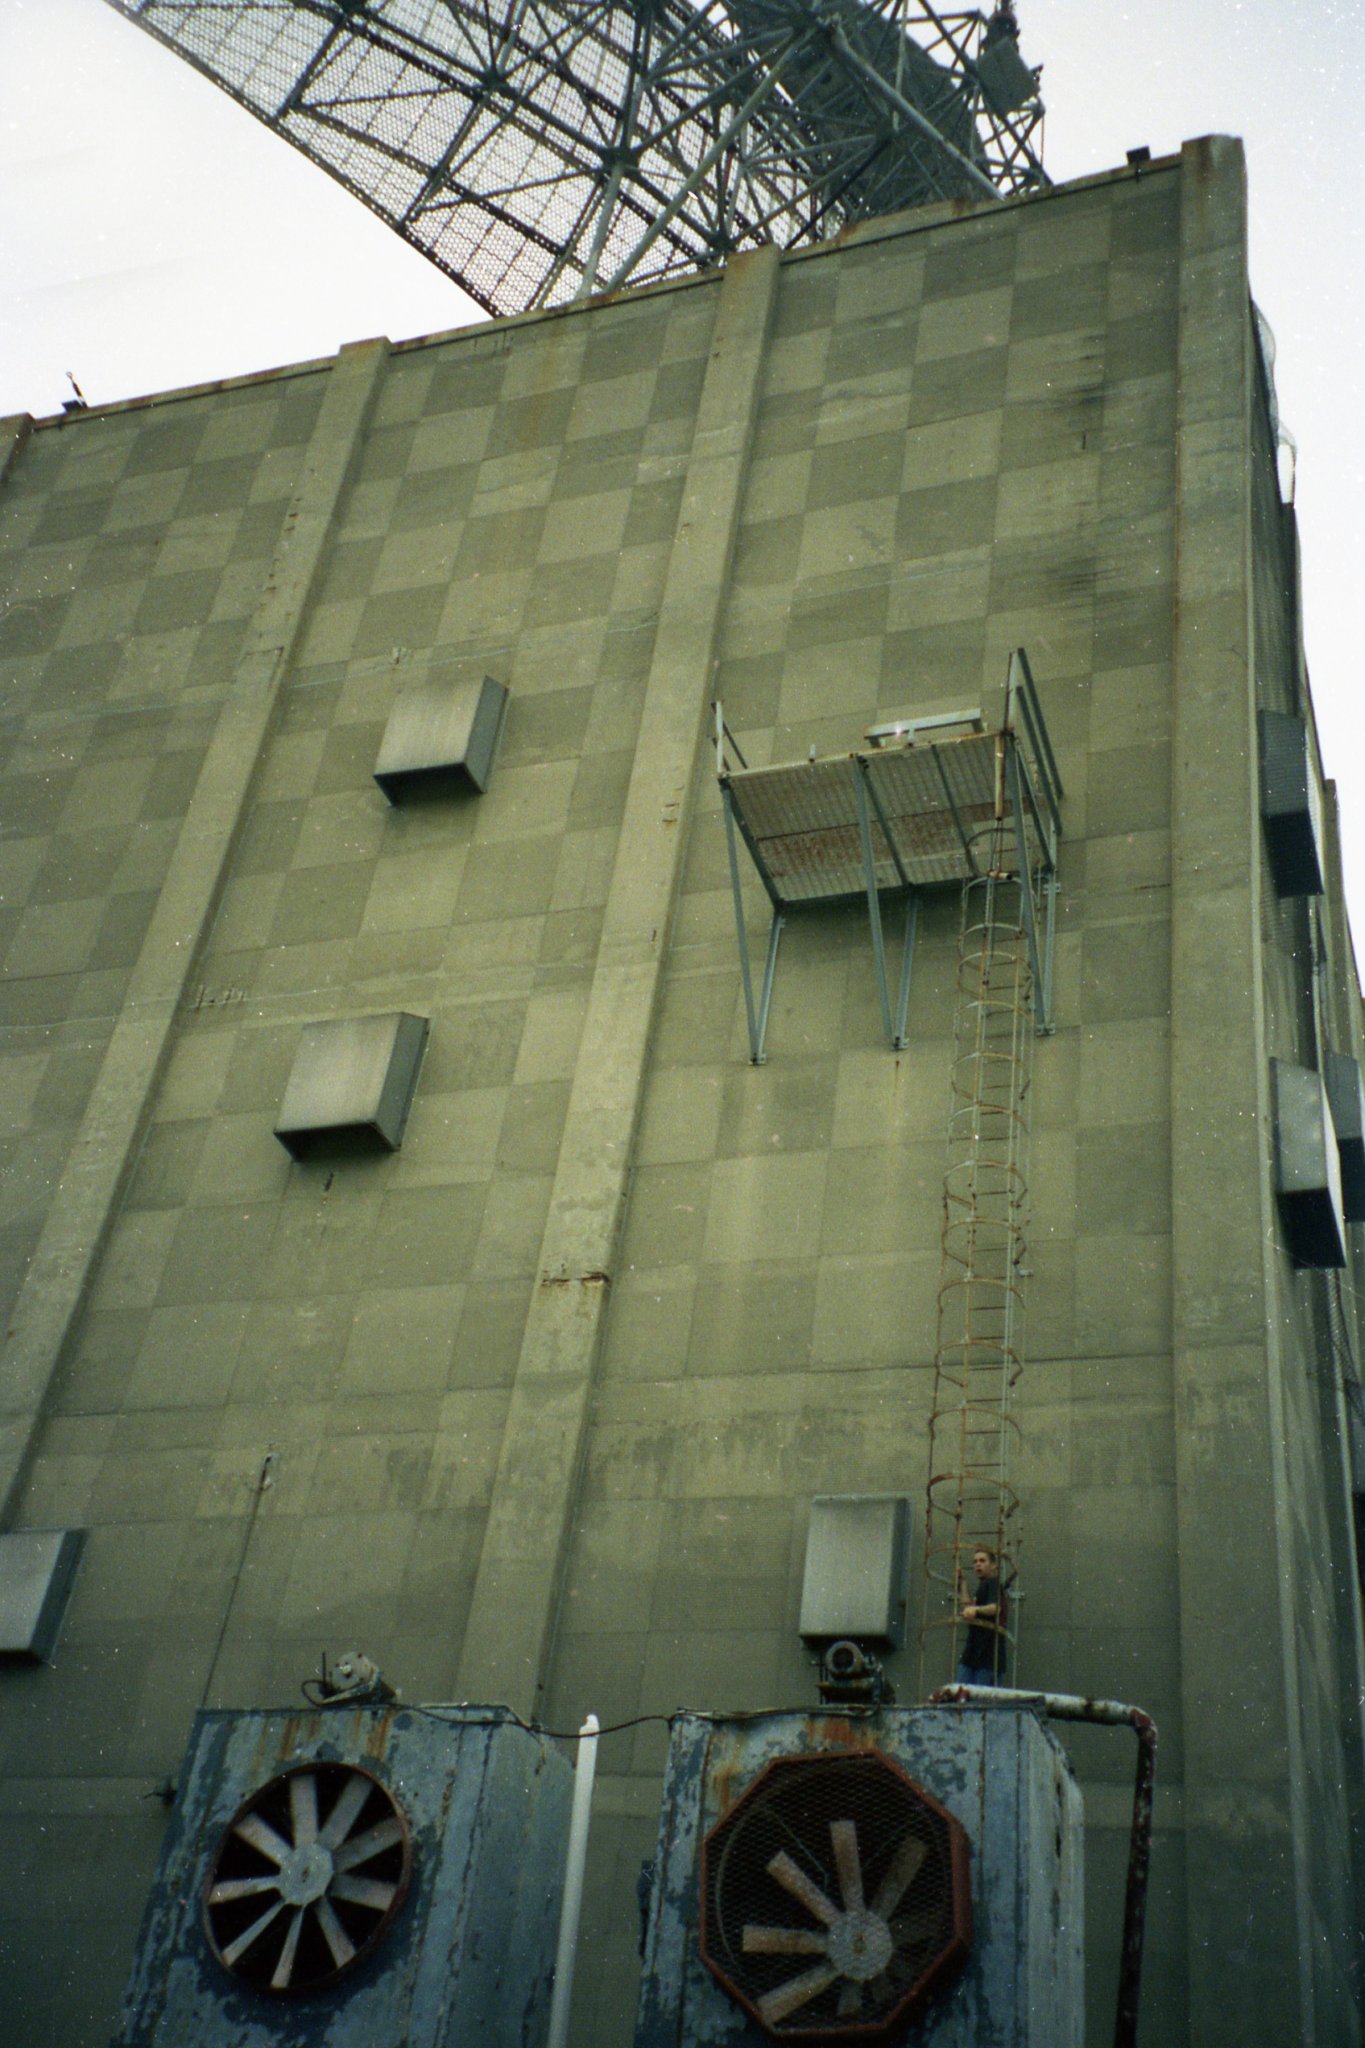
(152, 234)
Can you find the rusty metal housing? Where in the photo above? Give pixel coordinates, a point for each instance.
(353, 1875)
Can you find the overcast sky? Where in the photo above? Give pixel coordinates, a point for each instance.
(152, 234)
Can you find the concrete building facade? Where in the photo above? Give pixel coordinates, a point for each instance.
(532, 1409)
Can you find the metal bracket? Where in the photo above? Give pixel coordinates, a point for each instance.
(1040, 963)
(894, 1026)
(757, 1016)
(1050, 891)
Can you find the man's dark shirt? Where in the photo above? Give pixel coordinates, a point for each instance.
(984, 1648)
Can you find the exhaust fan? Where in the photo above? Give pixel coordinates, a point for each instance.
(836, 1898)
(355, 1874)
(869, 1875)
(306, 1878)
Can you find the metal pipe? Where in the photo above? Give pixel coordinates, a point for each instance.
(746, 975)
(962, 833)
(588, 281)
(907, 964)
(1038, 731)
(765, 1001)
(911, 113)
(865, 770)
(767, 84)
(1050, 892)
(1026, 885)
(570, 1910)
(1065, 1706)
(874, 902)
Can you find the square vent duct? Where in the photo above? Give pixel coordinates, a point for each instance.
(351, 1085)
(1346, 1096)
(37, 1567)
(1291, 805)
(441, 736)
(854, 1581)
(1307, 1168)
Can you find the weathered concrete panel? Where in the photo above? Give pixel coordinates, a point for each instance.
(393, 1401)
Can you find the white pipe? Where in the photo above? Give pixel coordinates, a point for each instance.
(574, 1861)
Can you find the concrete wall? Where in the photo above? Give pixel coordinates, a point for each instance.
(533, 1409)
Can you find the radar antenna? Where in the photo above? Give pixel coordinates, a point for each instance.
(539, 151)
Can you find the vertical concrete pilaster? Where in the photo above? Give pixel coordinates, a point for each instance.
(1245, 1815)
(511, 1621)
(82, 1209)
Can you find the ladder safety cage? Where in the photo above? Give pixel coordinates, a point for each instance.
(921, 804)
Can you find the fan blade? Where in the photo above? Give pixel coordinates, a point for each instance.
(850, 1999)
(231, 1888)
(798, 1991)
(262, 1836)
(346, 1812)
(794, 1880)
(784, 1941)
(303, 1808)
(844, 1835)
(904, 1868)
(252, 1933)
(382, 1836)
(365, 1891)
(284, 1968)
(333, 1933)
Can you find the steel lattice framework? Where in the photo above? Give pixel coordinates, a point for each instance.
(542, 150)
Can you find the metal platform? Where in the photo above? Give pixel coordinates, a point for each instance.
(922, 809)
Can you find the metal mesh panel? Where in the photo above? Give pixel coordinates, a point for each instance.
(831, 1898)
(539, 151)
(803, 825)
(936, 803)
(937, 800)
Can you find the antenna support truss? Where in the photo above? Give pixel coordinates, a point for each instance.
(539, 151)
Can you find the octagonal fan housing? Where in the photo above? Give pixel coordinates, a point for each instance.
(306, 1878)
(835, 1898)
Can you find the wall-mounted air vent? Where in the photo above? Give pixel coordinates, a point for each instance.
(351, 1085)
(37, 1567)
(1346, 1096)
(441, 736)
(836, 1899)
(1291, 805)
(1307, 1168)
(854, 1583)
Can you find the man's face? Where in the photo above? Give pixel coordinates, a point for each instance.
(983, 1564)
